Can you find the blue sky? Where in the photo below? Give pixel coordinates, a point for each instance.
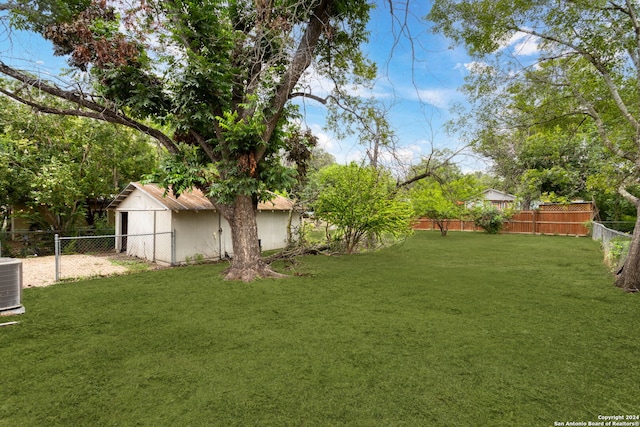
(420, 74)
(418, 81)
(419, 77)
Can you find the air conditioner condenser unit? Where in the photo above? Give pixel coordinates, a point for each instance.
(10, 286)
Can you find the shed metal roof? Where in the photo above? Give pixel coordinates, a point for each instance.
(496, 195)
(193, 200)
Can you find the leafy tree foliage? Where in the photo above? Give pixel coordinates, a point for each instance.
(61, 167)
(218, 76)
(308, 188)
(444, 196)
(320, 159)
(587, 72)
(549, 163)
(361, 201)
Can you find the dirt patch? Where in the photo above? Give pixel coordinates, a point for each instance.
(40, 271)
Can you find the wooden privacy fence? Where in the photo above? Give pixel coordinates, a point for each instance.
(566, 220)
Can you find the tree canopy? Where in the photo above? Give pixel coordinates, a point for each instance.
(362, 201)
(586, 72)
(212, 81)
(445, 195)
(61, 168)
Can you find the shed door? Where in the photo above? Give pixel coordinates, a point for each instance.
(124, 229)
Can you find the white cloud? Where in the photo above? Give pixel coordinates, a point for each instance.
(329, 144)
(439, 98)
(473, 67)
(527, 47)
(406, 155)
(313, 83)
(522, 44)
(325, 141)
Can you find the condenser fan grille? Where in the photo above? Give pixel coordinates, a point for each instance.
(10, 283)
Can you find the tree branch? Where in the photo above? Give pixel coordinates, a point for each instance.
(598, 65)
(316, 98)
(301, 61)
(12, 7)
(600, 126)
(204, 145)
(418, 177)
(630, 197)
(430, 170)
(96, 110)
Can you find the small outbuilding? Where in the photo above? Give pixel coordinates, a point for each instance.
(146, 215)
(499, 199)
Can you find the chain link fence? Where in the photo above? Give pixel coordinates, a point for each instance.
(615, 244)
(29, 243)
(92, 256)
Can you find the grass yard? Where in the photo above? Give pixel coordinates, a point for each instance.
(467, 330)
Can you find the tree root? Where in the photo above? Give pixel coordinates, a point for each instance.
(263, 269)
(249, 274)
(620, 282)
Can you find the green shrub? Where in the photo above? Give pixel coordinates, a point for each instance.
(616, 251)
(490, 219)
(5, 248)
(196, 259)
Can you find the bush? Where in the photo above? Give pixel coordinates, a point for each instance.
(616, 252)
(5, 248)
(489, 219)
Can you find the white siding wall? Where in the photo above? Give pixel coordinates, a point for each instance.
(145, 216)
(163, 241)
(197, 233)
(138, 201)
(272, 228)
(227, 242)
(141, 222)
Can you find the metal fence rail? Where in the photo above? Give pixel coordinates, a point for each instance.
(26, 243)
(86, 256)
(608, 239)
(602, 233)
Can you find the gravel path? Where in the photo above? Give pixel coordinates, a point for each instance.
(40, 271)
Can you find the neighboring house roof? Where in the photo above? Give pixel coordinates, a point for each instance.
(498, 196)
(193, 200)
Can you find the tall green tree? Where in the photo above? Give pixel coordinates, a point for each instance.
(60, 168)
(219, 75)
(320, 159)
(362, 202)
(444, 200)
(587, 69)
(549, 162)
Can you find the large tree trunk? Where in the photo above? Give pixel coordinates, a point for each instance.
(247, 263)
(629, 276)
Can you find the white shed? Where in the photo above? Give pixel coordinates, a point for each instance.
(147, 216)
(498, 198)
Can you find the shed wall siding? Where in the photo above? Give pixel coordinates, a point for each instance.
(196, 234)
(141, 222)
(196, 231)
(138, 201)
(145, 216)
(272, 228)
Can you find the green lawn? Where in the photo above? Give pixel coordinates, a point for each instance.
(467, 330)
